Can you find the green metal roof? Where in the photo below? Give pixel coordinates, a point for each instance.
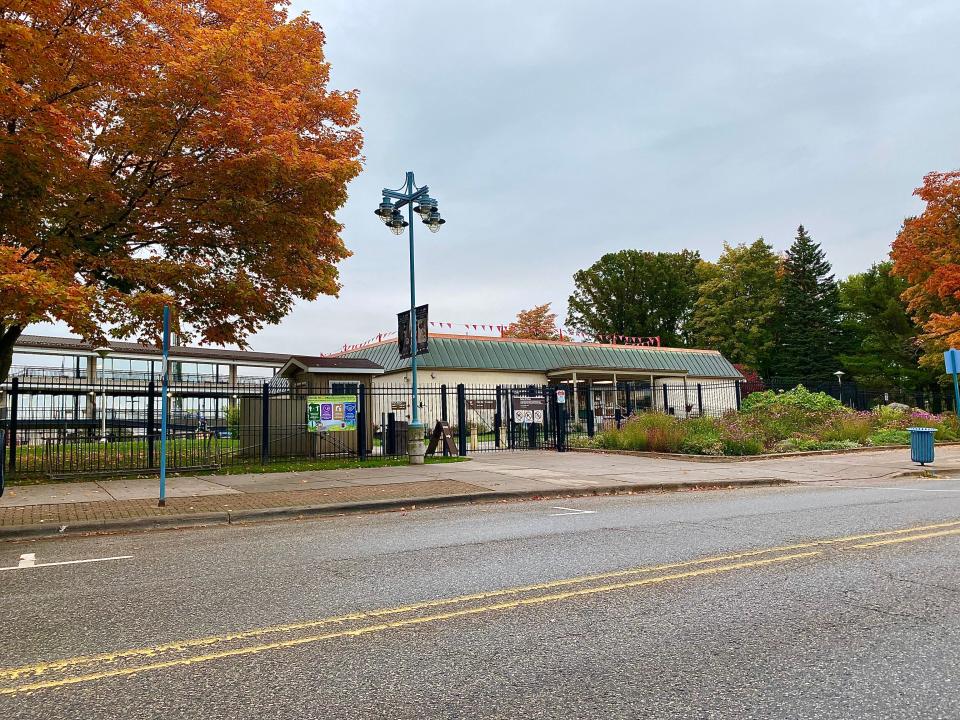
(496, 354)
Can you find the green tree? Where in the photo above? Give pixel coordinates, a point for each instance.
(879, 346)
(738, 304)
(636, 293)
(807, 324)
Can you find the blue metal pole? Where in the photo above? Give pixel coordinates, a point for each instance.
(956, 387)
(164, 406)
(415, 424)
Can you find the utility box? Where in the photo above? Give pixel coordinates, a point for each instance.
(921, 444)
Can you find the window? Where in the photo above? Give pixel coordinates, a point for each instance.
(343, 388)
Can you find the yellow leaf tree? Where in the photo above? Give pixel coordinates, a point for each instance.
(537, 323)
(927, 254)
(156, 151)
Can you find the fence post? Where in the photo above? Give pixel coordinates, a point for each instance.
(549, 399)
(151, 422)
(738, 396)
(462, 418)
(531, 426)
(390, 441)
(700, 399)
(590, 428)
(443, 413)
(497, 421)
(511, 423)
(666, 401)
(361, 421)
(265, 425)
(14, 402)
(617, 417)
(628, 393)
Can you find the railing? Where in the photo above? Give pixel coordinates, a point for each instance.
(59, 425)
(30, 372)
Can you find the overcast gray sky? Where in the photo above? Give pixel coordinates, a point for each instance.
(553, 132)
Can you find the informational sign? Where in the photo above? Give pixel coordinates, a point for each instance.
(951, 359)
(442, 433)
(398, 405)
(403, 332)
(331, 413)
(561, 397)
(481, 404)
(528, 409)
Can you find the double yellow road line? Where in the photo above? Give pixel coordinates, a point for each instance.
(84, 669)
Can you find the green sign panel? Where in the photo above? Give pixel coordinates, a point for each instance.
(331, 413)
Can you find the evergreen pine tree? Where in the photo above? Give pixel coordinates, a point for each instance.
(809, 313)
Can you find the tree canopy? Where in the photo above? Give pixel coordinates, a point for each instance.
(537, 323)
(807, 322)
(737, 304)
(879, 346)
(926, 253)
(636, 293)
(155, 152)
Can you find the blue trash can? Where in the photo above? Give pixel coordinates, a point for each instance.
(921, 444)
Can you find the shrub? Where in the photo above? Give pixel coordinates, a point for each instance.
(703, 436)
(889, 415)
(233, 420)
(743, 435)
(644, 431)
(854, 427)
(799, 398)
(889, 436)
(948, 428)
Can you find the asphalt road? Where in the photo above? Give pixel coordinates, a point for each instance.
(794, 602)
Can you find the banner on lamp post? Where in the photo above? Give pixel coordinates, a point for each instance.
(403, 332)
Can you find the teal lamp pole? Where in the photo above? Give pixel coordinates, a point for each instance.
(389, 212)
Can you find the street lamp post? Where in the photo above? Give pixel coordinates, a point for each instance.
(102, 352)
(840, 374)
(389, 212)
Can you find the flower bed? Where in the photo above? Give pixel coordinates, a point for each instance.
(770, 422)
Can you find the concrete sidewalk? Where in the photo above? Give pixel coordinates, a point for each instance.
(121, 504)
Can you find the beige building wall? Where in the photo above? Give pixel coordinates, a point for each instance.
(451, 378)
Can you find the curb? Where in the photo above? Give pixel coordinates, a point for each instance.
(749, 458)
(170, 522)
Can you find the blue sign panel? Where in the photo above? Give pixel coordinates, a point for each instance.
(951, 360)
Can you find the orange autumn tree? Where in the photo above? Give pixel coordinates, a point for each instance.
(926, 253)
(157, 151)
(538, 323)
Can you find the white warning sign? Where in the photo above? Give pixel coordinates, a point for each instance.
(529, 409)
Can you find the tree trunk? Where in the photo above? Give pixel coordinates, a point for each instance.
(8, 337)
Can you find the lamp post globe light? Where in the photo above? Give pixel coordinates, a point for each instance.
(416, 200)
(840, 374)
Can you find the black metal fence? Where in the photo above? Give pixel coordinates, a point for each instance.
(65, 425)
(933, 399)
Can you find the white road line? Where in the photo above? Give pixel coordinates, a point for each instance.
(28, 561)
(571, 511)
(873, 487)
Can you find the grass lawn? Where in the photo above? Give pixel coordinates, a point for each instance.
(304, 464)
(241, 467)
